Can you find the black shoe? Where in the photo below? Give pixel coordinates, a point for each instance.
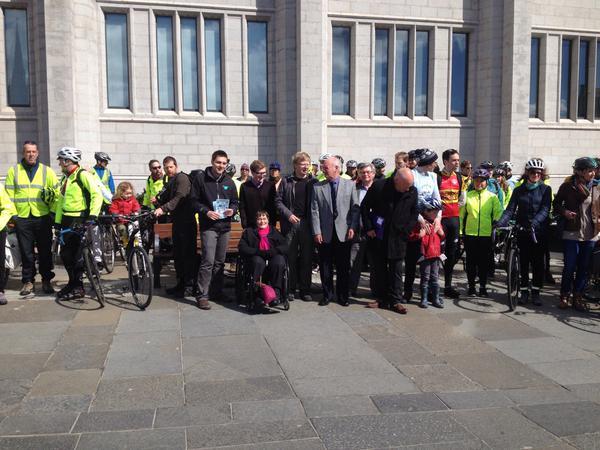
(524, 297)
(450, 292)
(324, 302)
(47, 287)
(535, 298)
(407, 296)
(344, 302)
(483, 292)
(353, 293)
(305, 296)
(472, 292)
(65, 290)
(176, 291)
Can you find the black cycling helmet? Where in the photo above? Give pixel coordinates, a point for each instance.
(101, 156)
(499, 172)
(230, 169)
(585, 163)
(351, 164)
(427, 157)
(481, 172)
(489, 165)
(379, 163)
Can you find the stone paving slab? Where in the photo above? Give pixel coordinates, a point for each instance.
(505, 428)
(348, 405)
(540, 350)
(378, 332)
(94, 335)
(475, 399)
(12, 391)
(404, 352)
(439, 378)
(580, 371)
(144, 354)
(541, 395)
(387, 383)
(361, 318)
(493, 327)
(301, 444)
(268, 411)
(55, 423)
(55, 404)
(228, 358)
(22, 366)
(248, 433)
(18, 337)
(566, 419)
(139, 393)
(164, 439)
(35, 311)
(77, 356)
(589, 392)
(445, 340)
(147, 321)
(114, 421)
(50, 442)
(107, 316)
(585, 441)
(215, 323)
(426, 401)
(186, 416)
(66, 382)
(228, 391)
(390, 430)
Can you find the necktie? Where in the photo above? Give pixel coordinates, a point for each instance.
(334, 198)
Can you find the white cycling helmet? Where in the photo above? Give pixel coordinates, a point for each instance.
(535, 163)
(506, 165)
(324, 157)
(71, 153)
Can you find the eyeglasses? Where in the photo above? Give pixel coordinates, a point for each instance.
(245, 170)
(262, 174)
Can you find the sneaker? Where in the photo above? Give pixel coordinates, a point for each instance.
(438, 304)
(47, 287)
(483, 292)
(76, 293)
(3, 300)
(203, 303)
(472, 291)
(424, 304)
(450, 292)
(27, 289)
(64, 291)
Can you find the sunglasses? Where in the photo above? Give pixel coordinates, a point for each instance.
(535, 172)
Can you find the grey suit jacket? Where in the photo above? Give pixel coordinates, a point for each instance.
(348, 208)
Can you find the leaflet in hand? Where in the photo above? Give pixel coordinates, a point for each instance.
(220, 205)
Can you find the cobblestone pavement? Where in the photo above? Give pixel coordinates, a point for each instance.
(173, 377)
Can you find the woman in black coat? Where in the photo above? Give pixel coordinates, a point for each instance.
(265, 248)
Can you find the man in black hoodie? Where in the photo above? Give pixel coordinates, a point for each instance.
(215, 199)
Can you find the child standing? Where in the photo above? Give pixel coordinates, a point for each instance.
(124, 203)
(431, 251)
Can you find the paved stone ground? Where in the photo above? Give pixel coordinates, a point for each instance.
(173, 377)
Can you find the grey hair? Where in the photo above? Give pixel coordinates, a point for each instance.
(364, 165)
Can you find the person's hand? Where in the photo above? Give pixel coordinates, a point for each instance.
(153, 200)
(372, 234)
(425, 226)
(350, 235)
(422, 232)
(294, 219)
(570, 214)
(318, 239)
(228, 212)
(158, 212)
(213, 215)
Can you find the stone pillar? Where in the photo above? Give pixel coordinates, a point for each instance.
(313, 93)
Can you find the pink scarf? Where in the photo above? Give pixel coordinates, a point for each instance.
(264, 239)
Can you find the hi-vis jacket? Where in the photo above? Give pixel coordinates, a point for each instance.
(27, 195)
(480, 210)
(73, 201)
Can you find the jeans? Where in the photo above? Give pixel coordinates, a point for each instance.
(577, 258)
(210, 273)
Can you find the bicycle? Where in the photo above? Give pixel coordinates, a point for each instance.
(91, 268)
(110, 243)
(139, 268)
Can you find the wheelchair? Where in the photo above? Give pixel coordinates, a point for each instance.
(247, 292)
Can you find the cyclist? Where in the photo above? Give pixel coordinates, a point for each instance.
(352, 170)
(413, 158)
(530, 206)
(154, 184)
(480, 210)
(379, 164)
(80, 200)
(103, 172)
(466, 169)
(508, 167)
(320, 174)
(500, 177)
(577, 205)
(7, 210)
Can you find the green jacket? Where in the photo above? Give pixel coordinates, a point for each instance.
(480, 210)
(72, 201)
(7, 209)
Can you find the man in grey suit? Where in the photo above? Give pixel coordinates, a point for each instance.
(335, 210)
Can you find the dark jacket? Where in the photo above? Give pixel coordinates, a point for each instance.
(205, 190)
(531, 206)
(176, 197)
(570, 197)
(284, 200)
(254, 199)
(249, 242)
(399, 212)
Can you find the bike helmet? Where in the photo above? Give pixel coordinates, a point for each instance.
(415, 154)
(489, 165)
(481, 172)
(427, 157)
(429, 203)
(535, 163)
(506, 165)
(101, 156)
(230, 169)
(70, 153)
(351, 164)
(379, 163)
(324, 157)
(585, 163)
(499, 172)
(275, 165)
(340, 158)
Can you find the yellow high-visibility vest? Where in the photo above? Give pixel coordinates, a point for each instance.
(27, 195)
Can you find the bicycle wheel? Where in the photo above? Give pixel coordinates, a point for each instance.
(141, 276)
(107, 245)
(93, 275)
(512, 278)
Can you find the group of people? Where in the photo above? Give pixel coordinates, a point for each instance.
(414, 216)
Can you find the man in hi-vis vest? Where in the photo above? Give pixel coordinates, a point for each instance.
(32, 187)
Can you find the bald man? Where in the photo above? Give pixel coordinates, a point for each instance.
(389, 213)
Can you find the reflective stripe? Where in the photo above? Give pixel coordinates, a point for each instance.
(28, 200)
(27, 186)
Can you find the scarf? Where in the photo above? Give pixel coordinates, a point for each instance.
(532, 186)
(263, 234)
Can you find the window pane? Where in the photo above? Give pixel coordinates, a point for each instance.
(117, 60)
(257, 67)
(534, 77)
(381, 71)
(565, 80)
(17, 57)
(401, 77)
(460, 64)
(597, 113)
(340, 96)
(164, 58)
(189, 63)
(583, 79)
(212, 37)
(422, 73)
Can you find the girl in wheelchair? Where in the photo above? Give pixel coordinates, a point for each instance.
(265, 249)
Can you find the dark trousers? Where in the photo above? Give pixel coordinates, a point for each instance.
(478, 249)
(577, 258)
(359, 250)
(335, 253)
(394, 281)
(271, 271)
(35, 232)
(413, 253)
(212, 263)
(531, 255)
(3, 271)
(451, 227)
(184, 250)
(301, 247)
(72, 258)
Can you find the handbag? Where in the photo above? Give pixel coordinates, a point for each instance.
(266, 292)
